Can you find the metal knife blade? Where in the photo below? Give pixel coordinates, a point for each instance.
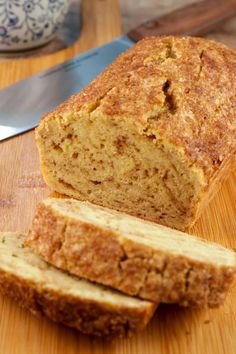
(38, 94)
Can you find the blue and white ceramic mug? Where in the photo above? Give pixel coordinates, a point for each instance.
(28, 24)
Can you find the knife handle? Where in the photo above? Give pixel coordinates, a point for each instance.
(194, 19)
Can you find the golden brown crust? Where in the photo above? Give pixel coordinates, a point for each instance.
(87, 316)
(191, 80)
(176, 93)
(103, 255)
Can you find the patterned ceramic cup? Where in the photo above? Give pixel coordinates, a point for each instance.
(28, 24)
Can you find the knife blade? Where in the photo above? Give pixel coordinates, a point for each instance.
(40, 93)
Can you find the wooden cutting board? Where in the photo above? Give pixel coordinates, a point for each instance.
(173, 330)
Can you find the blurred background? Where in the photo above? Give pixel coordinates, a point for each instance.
(134, 12)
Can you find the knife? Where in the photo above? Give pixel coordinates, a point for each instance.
(38, 94)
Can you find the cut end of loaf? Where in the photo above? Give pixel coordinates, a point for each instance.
(106, 161)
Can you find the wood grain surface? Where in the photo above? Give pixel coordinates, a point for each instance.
(173, 330)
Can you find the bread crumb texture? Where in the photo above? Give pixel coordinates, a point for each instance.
(44, 290)
(136, 257)
(154, 135)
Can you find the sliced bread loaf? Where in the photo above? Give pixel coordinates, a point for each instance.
(135, 256)
(154, 135)
(43, 289)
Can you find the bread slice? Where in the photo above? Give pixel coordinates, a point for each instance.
(43, 289)
(154, 135)
(134, 256)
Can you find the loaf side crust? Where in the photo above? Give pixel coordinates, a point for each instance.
(89, 317)
(201, 75)
(176, 92)
(103, 255)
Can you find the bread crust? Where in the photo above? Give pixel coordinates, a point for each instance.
(201, 77)
(103, 255)
(87, 316)
(177, 90)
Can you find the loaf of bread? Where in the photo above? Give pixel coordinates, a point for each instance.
(45, 290)
(134, 256)
(153, 135)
